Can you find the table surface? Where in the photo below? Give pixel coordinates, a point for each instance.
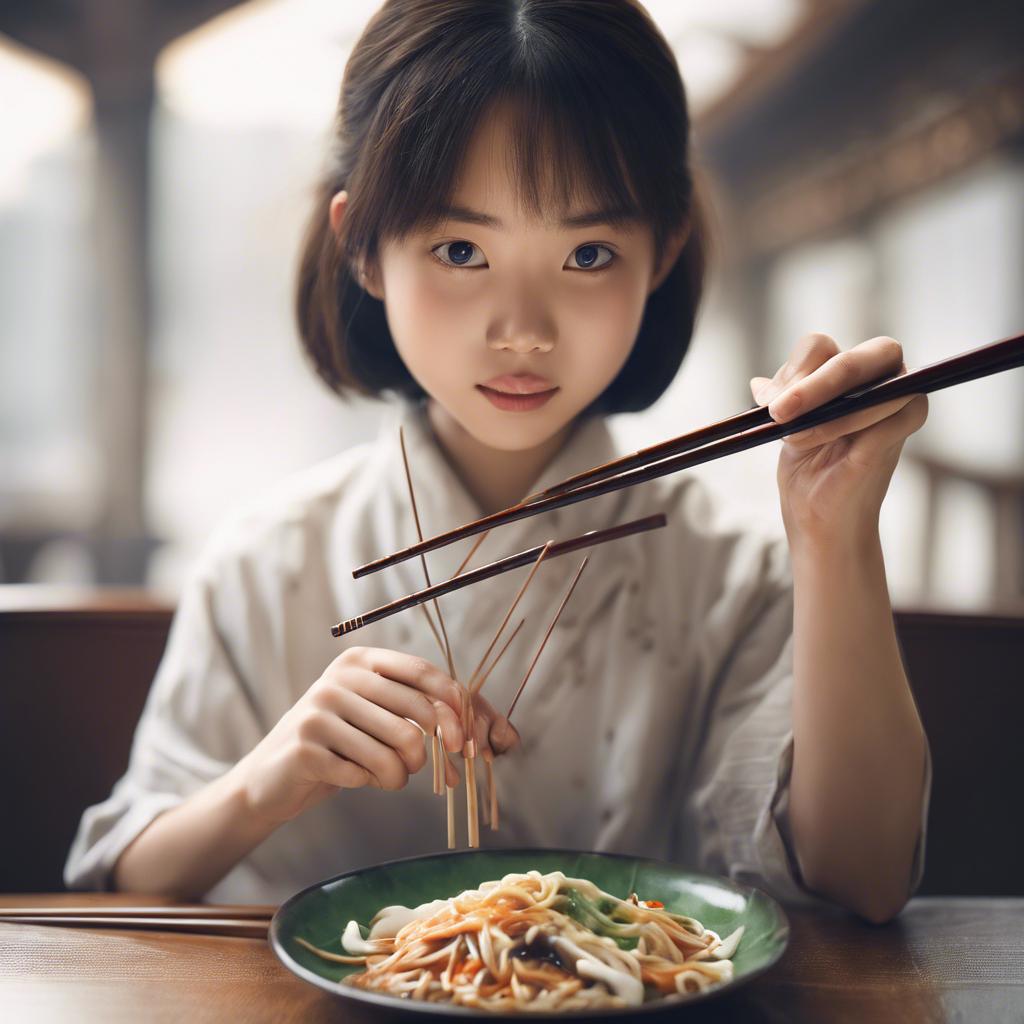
(943, 959)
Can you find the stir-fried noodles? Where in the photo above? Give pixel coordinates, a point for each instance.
(536, 942)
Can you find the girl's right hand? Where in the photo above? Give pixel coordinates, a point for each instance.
(351, 728)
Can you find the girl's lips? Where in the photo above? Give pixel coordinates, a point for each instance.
(519, 384)
(516, 403)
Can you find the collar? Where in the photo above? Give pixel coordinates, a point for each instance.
(444, 503)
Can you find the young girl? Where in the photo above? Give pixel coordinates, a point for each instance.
(508, 239)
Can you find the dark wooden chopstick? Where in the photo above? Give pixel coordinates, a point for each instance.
(527, 557)
(241, 921)
(758, 416)
(981, 362)
(240, 927)
(183, 910)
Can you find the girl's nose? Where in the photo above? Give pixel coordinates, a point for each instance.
(527, 328)
(521, 341)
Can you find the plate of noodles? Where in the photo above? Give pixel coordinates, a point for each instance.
(498, 933)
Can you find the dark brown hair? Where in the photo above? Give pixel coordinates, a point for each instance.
(599, 112)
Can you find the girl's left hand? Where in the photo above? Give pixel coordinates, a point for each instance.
(832, 478)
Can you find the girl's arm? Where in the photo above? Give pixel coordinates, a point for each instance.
(352, 727)
(856, 790)
(858, 746)
(185, 851)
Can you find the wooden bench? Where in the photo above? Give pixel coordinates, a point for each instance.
(75, 669)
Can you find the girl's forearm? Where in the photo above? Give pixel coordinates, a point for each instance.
(859, 748)
(185, 851)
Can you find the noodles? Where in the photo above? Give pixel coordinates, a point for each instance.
(537, 943)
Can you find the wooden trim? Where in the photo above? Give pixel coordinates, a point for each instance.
(827, 199)
(952, 619)
(769, 69)
(24, 601)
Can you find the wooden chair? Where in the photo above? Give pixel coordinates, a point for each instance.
(75, 669)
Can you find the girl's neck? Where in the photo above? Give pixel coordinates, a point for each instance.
(495, 479)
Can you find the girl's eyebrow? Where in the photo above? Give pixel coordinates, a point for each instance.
(588, 219)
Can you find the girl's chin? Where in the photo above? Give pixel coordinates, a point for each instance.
(504, 431)
(516, 436)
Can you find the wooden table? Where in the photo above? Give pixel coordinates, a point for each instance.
(945, 959)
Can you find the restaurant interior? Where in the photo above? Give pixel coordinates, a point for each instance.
(864, 165)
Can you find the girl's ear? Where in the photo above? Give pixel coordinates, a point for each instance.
(669, 254)
(367, 275)
(337, 210)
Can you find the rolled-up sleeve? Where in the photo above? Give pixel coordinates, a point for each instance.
(199, 719)
(738, 802)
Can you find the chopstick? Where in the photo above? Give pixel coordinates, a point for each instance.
(238, 921)
(935, 373)
(564, 547)
(436, 741)
(737, 433)
(543, 643)
(242, 928)
(191, 910)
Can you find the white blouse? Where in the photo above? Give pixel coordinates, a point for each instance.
(657, 721)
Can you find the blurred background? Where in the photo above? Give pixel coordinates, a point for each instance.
(865, 160)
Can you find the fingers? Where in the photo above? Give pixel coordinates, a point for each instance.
(867, 445)
(498, 736)
(363, 749)
(451, 727)
(451, 774)
(335, 770)
(810, 352)
(824, 433)
(404, 738)
(408, 669)
(804, 388)
(401, 700)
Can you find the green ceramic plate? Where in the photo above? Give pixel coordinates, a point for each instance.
(319, 913)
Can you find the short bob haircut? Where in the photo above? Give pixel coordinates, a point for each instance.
(599, 112)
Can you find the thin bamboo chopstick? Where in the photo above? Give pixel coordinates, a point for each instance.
(472, 551)
(554, 621)
(436, 741)
(508, 615)
(515, 561)
(967, 366)
(426, 574)
(479, 684)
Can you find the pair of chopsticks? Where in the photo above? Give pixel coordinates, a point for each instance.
(736, 434)
(243, 921)
(527, 557)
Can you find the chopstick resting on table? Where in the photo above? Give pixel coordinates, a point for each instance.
(737, 433)
(240, 921)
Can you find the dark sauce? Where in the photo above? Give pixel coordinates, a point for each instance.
(541, 949)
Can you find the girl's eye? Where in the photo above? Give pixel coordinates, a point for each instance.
(465, 254)
(459, 254)
(589, 257)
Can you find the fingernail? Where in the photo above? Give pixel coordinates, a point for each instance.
(766, 393)
(787, 404)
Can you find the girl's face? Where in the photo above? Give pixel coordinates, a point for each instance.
(493, 302)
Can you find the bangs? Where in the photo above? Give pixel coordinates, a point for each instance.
(557, 164)
(582, 129)
(596, 124)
